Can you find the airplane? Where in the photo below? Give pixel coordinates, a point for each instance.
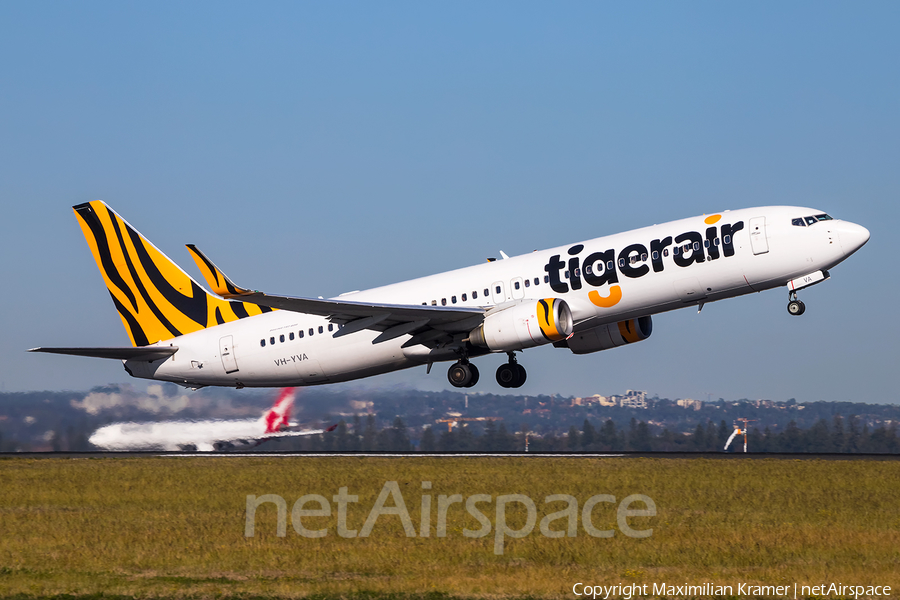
(204, 436)
(584, 297)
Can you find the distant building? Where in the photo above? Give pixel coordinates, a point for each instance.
(634, 399)
(689, 403)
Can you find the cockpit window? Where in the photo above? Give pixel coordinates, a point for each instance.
(810, 220)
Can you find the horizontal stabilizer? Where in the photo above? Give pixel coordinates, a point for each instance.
(148, 353)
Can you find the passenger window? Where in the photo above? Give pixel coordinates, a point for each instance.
(331, 327)
(633, 259)
(488, 293)
(546, 279)
(291, 336)
(696, 246)
(706, 243)
(300, 334)
(464, 298)
(665, 251)
(798, 223)
(443, 302)
(453, 299)
(516, 285)
(311, 331)
(727, 239)
(474, 294)
(434, 302)
(272, 340)
(676, 250)
(610, 266)
(577, 272)
(498, 289)
(588, 269)
(262, 343)
(717, 241)
(281, 338)
(566, 275)
(527, 283)
(621, 263)
(644, 257)
(321, 329)
(537, 281)
(655, 255)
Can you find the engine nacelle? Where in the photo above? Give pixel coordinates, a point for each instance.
(525, 325)
(609, 336)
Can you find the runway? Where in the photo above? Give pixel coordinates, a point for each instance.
(664, 455)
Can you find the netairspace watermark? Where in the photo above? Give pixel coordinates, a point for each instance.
(739, 590)
(630, 506)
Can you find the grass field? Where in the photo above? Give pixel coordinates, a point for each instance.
(176, 526)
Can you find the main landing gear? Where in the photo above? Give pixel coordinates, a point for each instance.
(795, 307)
(512, 374)
(463, 374)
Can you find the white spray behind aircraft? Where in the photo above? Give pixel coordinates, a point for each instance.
(204, 436)
(583, 297)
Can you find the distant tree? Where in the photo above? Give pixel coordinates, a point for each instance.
(609, 437)
(505, 441)
(428, 443)
(818, 438)
(341, 437)
(447, 442)
(852, 441)
(712, 436)
(837, 434)
(642, 439)
(793, 440)
(588, 435)
(369, 434)
(465, 440)
(488, 440)
(399, 437)
(699, 438)
(573, 443)
(723, 434)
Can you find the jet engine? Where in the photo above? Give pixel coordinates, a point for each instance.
(524, 325)
(609, 336)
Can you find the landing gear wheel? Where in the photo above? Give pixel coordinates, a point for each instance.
(475, 375)
(796, 307)
(460, 374)
(511, 375)
(523, 375)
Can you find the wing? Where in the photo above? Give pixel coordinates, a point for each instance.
(427, 324)
(148, 353)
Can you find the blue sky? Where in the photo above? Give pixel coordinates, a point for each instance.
(312, 149)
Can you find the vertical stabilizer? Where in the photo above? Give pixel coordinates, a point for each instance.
(155, 298)
(277, 417)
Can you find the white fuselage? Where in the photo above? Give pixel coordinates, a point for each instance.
(729, 260)
(178, 435)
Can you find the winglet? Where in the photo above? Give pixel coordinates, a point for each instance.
(217, 280)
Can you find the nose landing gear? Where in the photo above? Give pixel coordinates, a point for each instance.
(463, 374)
(512, 374)
(795, 306)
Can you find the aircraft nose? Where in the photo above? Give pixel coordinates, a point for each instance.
(852, 237)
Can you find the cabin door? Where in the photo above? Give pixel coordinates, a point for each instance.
(758, 240)
(226, 351)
